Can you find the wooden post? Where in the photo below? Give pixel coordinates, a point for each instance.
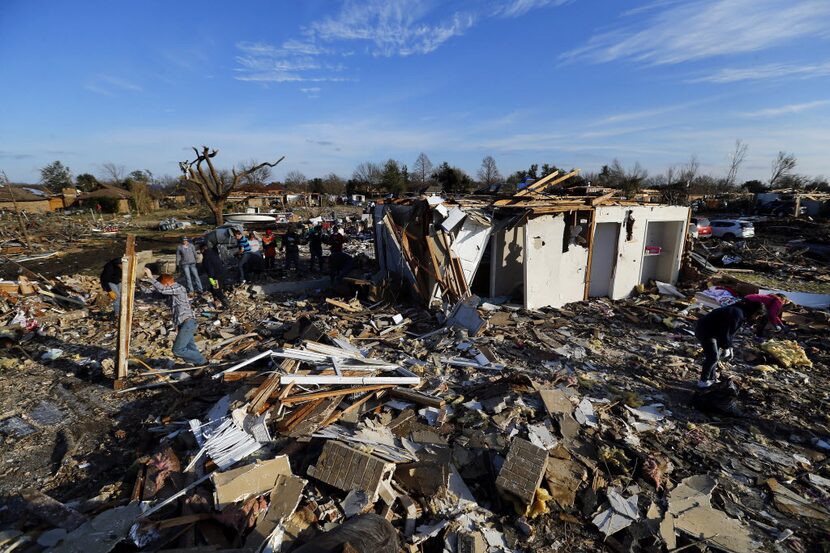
(125, 318)
(587, 289)
(797, 212)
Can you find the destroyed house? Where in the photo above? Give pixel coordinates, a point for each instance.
(537, 248)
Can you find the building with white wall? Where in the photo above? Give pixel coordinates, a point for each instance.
(538, 251)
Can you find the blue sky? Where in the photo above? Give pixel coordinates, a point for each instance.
(331, 83)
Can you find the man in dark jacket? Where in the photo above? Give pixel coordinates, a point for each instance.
(315, 246)
(111, 282)
(291, 245)
(716, 330)
(215, 270)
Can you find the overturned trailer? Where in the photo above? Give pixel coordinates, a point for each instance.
(540, 250)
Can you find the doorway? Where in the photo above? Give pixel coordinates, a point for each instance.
(603, 259)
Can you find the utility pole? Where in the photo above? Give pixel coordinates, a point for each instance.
(4, 180)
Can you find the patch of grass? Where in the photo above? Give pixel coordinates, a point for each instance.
(788, 284)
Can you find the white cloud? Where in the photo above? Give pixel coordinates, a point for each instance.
(382, 28)
(786, 110)
(772, 71)
(311, 91)
(704, 28)
(390, 27)
(107, 85)
(516, 8)
(264, 62)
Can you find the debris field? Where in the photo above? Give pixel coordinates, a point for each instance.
(329, 421)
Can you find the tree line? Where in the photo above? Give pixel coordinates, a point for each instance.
(395, 177)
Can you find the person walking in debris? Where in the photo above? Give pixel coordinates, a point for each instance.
(336, 241)
(291, 246)
(184, 345)
(716, 330)
(269, 248)
(215, 269)
(111, 282)
(186, 260)
(244, 253)
(315, 246)
(774, 306)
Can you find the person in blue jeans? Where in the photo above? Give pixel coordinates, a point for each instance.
(184, 346)
(186, 260)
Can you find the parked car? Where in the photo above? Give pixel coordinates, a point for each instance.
(704, 229)
(693, 231)
(729, 229)
(780, 208)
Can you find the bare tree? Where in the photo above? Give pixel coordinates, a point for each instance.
(629, 181)
(295, 180)
(688, 172)
(736, 159)
(334, 184)
(489, 173)
(113, 172)
(214, 186)
(254, 173)
(422, 170)
(369, 175)
(782, 167)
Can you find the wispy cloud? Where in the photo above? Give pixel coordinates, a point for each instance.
(390, 27)
(704, 28)
(13, 155)
(311, 91)
(107, 85)
(516, 8)
(646, 113)
(264, 62)
(786, 110)
(772, 72)
(379, 28)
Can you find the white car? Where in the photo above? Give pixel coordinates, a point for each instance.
(729, 229)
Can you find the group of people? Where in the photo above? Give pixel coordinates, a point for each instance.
(254, 251)
(717, 329)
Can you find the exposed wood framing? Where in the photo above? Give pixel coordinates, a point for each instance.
(333, 393)
(125, 316)
(536, 185)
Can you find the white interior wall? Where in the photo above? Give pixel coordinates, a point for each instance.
(606, 238)
(630, 252)
(507, 261)
(552, 277)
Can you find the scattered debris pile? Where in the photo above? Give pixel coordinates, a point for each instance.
(335, 423)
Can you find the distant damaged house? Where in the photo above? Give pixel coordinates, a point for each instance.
(538, 248)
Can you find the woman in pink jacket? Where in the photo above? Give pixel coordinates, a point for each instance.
(774, 305)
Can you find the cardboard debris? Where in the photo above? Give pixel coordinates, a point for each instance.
(241, 483)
